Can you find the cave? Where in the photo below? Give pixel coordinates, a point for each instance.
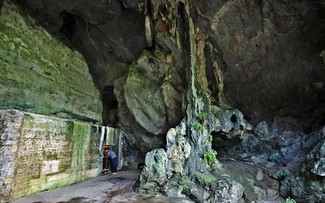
(203, 95)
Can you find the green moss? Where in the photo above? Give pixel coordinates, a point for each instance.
(182, 187)
(68, 130)
(207, 178)
(50, 155)
(185, 181)
(63, 167)
(33, 61)
(79, 146)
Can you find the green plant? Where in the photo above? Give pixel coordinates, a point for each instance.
(289, 200)
(209, 138)
(201, 117)
(280, 174)
(210, 157)
(182, 187)
(198, 127)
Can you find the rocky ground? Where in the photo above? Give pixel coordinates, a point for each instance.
(117, 188)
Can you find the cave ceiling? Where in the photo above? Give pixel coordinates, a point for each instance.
(267, 52)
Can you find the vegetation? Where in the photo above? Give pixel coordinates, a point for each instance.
(198, 127)
(210, 157)
(202, 117)
(289, 200)
(207, 178)
(209, 138)
(280, 175)
(182, 187)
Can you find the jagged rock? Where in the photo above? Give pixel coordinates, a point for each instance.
(154, 174)
(178, 149)
(309, 182)
(316, 160)
(199, 193)
(229, 191)
(262, 130)
(230, 119)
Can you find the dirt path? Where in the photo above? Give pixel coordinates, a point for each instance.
(103, 189)
(92, 190)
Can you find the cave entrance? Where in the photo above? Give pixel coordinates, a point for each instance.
(110, 105)
(111, 140)
(224, 144)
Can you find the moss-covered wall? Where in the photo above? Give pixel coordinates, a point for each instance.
(41, 152)
(39, 74)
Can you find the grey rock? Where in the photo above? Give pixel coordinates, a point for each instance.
(261, 158)
(178, 149)
(275, 156)
(230, 192)
(174, 192)
(259, 175)
(154, 174)
(262, 130)
(248, 69)
(230, 119)
(199, 193)
(309, 182)
(291, 151)
(316, 160)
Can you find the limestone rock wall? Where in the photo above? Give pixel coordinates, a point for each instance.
(40, 74)
(40, 152)
(266, 54)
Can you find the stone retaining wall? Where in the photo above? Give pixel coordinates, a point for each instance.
(38, 153)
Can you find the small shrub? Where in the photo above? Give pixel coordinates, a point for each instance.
(198, 127)
(210, 157)
(289, 200)
(201, 117)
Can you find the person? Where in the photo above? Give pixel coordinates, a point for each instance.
(113, 160)
(106, 163)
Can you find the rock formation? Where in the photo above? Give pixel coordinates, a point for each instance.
(185, 78)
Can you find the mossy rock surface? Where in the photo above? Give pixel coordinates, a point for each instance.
(40, 74)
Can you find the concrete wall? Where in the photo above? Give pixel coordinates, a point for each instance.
(40, 152)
